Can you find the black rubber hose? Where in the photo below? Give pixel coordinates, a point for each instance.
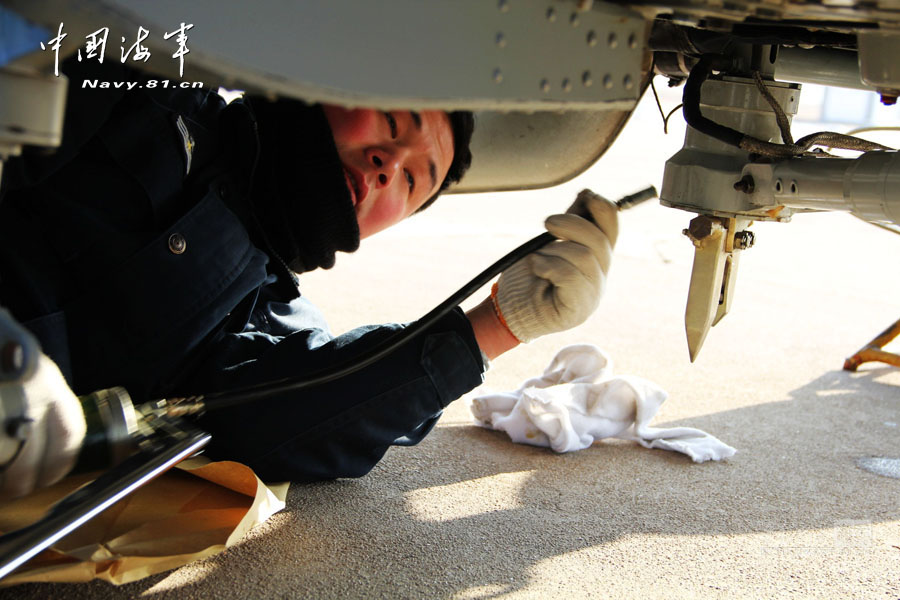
(218, 400)
(691, 100)
(225, 399)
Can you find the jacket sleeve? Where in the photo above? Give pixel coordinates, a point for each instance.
(342, 428)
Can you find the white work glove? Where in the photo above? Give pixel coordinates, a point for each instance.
(45, 448)
(559, 286)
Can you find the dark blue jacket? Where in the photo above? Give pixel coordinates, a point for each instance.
(123, 254)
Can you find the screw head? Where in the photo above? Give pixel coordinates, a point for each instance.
(497, 76)
(551, 14)
(500, 40)
(545, 86)
(612, 40)
(745, 185)
(608, 81)
(592, 38)
(503, 5)
(574, 20)
(566, 85)
(586, 79)
(628, 82)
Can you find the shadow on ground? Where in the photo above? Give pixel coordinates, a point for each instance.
(468, 510)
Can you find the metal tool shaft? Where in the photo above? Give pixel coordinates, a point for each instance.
(87, 502)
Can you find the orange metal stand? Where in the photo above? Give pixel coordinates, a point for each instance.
(873, 352)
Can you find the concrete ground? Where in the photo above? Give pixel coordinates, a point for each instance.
(468, 514)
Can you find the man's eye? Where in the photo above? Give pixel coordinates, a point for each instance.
(392, 123)
(410, 180)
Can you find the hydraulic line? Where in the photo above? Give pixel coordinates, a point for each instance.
(176, 407)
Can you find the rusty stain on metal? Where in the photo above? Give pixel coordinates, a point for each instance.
(730, 226)
(775, 212)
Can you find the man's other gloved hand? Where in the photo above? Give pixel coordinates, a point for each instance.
(559, 286)
(43, 429)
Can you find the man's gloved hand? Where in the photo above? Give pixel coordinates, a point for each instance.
(43, 428)
(559, 286)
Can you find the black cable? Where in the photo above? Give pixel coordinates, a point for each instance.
(219, 400)
(225, 399)
(692, 114)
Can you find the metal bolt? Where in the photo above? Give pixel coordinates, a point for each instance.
(612, 40)
(632, 41)
(608, 81)
(586, 79)
(497, 76)
(12, 358)
(501, 40)
(745, 185)
(744, 240)
(551, 14)
(566, 85)
(545, 86)
(700, 227)
(628, 82)
(592, 38)
(503, 5)
(573, 20)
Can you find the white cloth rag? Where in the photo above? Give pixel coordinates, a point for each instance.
(577, 401)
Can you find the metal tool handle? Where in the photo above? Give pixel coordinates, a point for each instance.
(87, 502)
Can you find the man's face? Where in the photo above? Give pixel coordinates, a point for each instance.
(393, 161)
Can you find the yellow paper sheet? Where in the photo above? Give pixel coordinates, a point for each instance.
(190, 512)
